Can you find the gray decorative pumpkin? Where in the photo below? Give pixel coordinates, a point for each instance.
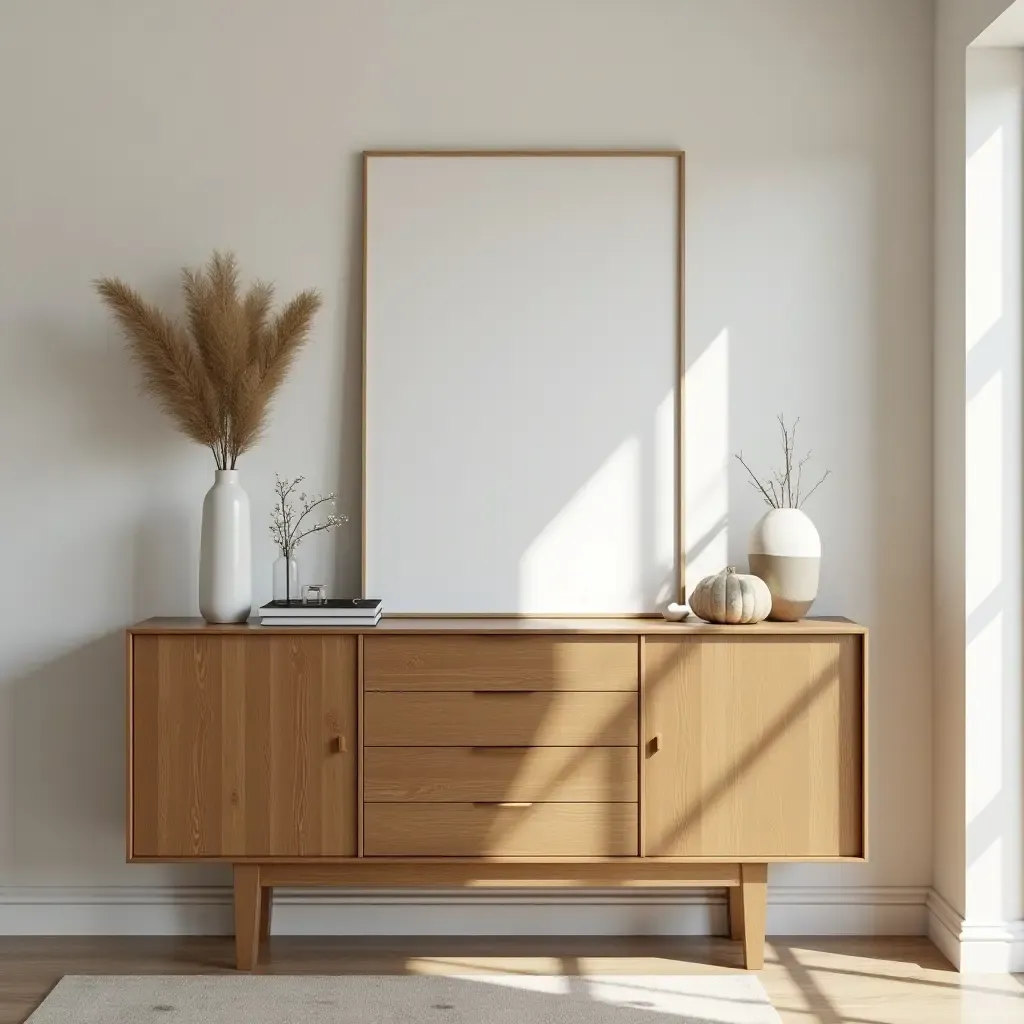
(731, 598)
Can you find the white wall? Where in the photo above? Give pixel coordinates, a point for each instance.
(977, 721)
(137, 137)
(994, 765)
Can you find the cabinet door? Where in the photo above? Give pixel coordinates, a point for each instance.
(243, 746)
(754, 747)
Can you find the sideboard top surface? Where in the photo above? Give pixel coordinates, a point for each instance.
(515, 626)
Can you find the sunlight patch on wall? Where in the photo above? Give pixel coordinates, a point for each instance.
(985, 216)
(985, 756)
(599, 515)
(984, 492)
(707, 462)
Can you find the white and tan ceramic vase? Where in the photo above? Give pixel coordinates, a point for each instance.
(225, 551)
(785, 551)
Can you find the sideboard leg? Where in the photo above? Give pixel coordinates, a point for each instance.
(754, 897)
(266, 911)
(247, 915)
(735, 913)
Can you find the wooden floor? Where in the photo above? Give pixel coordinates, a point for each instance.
(810, 981)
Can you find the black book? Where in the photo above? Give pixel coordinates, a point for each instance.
(349, 607)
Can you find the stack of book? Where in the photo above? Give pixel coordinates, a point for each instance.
(343, 611)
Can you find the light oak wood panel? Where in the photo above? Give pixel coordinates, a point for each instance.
(753, 912)
(499, 663)
(244, 746)
(468, 830)
(754, 747)
(513, 719)
(444, 873)
(538, 774)
(526, 625)
(248, 915)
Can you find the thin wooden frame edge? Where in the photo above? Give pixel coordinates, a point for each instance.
(679, 156)
(554, 152)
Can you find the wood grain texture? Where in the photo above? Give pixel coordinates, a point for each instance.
(266, 910)
(865, 788)
(361, 733)
(129, 814)
(736, 914)
(641, 758)
(499, 663)
(537, 774)
(554, 719)
(754, 910)
(248, 898)
(630, 874)
(504, 625)
(453, 830)
(762, 748)
(235, 746)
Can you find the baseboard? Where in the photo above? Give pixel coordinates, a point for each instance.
(975, 947)
(207, 911)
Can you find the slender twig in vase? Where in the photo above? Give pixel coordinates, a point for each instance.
(309, 508)
(790, 492)
(754, 482)
(824, 477)
(285, 521)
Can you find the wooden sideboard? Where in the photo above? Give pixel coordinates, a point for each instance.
(515, 752)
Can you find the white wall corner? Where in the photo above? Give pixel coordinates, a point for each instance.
(206, 910)
(975, 947)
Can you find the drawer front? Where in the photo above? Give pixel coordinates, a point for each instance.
(540, 774)
(499, 663)
(482, 830)
(503, 719)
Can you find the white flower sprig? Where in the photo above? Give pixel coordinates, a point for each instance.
(286, 518)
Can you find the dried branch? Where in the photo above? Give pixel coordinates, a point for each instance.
(789, 493)
(285, 519)
(824, 477)
(755, 482)
(216, 375)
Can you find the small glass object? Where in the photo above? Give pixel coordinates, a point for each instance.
(314, 593)
(286, 579)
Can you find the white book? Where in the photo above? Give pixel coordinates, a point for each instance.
(319, 620)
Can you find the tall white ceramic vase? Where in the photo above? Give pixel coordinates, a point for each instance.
(785, 551)
(225, 552)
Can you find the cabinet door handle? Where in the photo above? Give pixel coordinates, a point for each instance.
(655, 743)
(509, 804)
(339, 745)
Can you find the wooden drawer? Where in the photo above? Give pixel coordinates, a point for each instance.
(499, 663)
(540, 774)
(482, 830)
(500, 719)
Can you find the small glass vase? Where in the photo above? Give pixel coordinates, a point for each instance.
(286, 579)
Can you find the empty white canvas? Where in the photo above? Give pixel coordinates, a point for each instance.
(521, 381)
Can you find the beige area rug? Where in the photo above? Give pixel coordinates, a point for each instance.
(409, 999)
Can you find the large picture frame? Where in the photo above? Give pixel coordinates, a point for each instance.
(523, 362)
